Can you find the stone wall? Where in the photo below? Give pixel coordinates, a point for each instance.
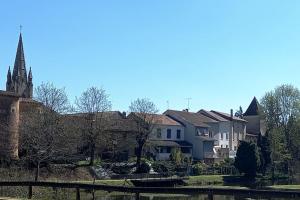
(9, 123)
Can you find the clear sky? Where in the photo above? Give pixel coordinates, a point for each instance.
(218, 53)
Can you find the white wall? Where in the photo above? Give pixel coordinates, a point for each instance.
(164, 129)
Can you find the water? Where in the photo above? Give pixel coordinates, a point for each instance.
(183, 197)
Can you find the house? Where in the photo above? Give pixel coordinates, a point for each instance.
(166, 135)
(196, 132)
(256, 122)
(117, 137)
(228, 131)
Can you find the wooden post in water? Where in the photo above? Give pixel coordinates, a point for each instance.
(210, 196)
(77, 194)
(137, 196)
(30, 192)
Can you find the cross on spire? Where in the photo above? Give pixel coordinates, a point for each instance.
(21, 28)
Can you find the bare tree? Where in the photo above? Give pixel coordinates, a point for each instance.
(53, 98)
(143, 113)
(93, 103)
(42, 129)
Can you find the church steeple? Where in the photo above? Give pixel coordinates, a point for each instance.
(20, 66)
(19, 82)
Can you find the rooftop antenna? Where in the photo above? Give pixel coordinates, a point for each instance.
(188, 102)
(168, 104)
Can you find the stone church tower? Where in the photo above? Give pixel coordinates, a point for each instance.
(18, 82)
(18, 94)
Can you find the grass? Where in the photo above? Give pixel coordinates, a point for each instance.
(285, 187)
(206, 180)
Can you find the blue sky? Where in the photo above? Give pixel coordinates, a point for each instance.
(218, 53)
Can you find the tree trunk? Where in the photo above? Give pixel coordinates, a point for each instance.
(37, 172)
(92, 155)
(138, 158)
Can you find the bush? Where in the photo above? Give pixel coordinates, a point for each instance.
(199, 168)
(145, 167)
(159, 168)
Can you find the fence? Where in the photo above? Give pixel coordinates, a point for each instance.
(161, 190)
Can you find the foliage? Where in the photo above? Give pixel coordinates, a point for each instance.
(239, 113)
(282, 108)
(176, 156)
(164, 167)
(264, 152)
(199, 168)
(247, 158)
(144, 168)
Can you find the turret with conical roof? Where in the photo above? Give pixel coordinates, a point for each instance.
(253, 109)
(255, 117)
(18, 82)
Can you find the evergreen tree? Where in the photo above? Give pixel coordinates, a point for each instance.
(247, 159)
(264, 146)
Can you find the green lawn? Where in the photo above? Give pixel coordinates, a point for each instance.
(286, 187)
(205, 179)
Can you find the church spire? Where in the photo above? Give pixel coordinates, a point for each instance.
(19, 82)
(20, 66)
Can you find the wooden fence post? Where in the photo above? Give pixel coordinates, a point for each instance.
(30, 192)
(210, 196)
(77, 194)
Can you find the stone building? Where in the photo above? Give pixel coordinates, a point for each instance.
(13, 101)
(256, 123)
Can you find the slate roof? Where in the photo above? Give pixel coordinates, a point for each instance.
(253, 109)
(195, 119)
(160, 119)
(227, 116)
(212, 115)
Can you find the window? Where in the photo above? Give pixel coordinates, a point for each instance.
(169, 132)
(210, 134)
(226, 146)
(178, 134)
(168, 149)
(233, 136)
(158, 133)
(235, 148)
(227, 136)
(221, 145)
(221, 136)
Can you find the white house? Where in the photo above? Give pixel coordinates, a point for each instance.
(196, 133)
(228, 131)
(166, 135)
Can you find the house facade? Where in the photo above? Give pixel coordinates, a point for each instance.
(166, 135)
(228, 131)
(196, 133)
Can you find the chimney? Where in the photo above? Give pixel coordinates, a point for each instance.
(231, 113)
(185, 110)
(124, 114)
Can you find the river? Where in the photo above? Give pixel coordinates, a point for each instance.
(183, 197)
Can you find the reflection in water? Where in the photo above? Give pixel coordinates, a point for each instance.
(181, 197)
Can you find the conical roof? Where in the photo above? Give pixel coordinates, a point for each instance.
(20, 66)
(253, 109)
